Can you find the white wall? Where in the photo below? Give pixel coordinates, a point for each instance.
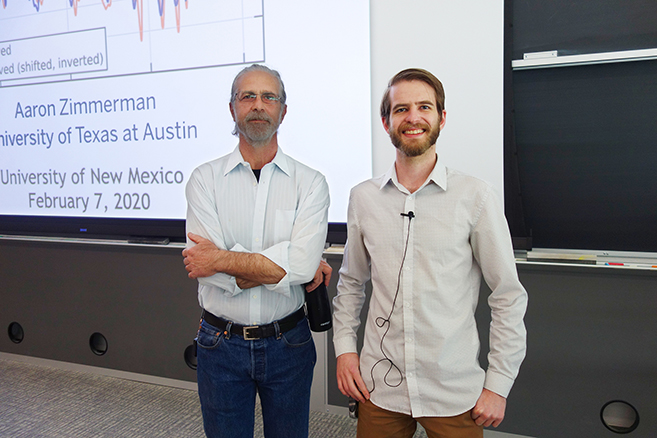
(462, 43)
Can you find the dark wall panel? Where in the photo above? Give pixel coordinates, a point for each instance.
(138, 298)
(590, 341)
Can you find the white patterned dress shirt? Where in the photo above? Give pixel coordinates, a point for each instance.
(458, 234)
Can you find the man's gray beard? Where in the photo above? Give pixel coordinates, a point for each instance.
(257, 135)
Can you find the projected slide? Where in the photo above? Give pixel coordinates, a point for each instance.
(106, 106)
(64, 39)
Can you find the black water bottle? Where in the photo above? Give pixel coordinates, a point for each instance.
(319, 309)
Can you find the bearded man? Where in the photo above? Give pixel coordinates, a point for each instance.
(425, 235)
(257, 224)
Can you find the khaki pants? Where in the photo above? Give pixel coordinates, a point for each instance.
(374, 422)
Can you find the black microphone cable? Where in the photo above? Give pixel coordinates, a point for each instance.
(380, 321)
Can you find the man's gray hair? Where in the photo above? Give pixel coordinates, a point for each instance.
(263, 68)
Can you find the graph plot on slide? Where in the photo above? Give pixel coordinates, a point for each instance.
(54, 40)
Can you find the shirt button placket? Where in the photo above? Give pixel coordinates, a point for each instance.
(407, 296)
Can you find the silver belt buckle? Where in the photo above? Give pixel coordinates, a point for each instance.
(245, 334)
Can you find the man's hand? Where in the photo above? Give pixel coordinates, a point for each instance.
(200, 259)
(350, 382)
(489, 410)
(323, 274)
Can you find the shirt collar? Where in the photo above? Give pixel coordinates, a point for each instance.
(437, 176)
(235, 159)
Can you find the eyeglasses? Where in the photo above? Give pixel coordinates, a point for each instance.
(249, 97)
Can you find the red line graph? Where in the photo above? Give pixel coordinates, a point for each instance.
(74, 5)
(137, 5)
(177, 3)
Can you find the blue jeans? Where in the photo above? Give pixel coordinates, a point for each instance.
(230, 370)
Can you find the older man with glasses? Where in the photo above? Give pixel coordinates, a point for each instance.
(257, 223)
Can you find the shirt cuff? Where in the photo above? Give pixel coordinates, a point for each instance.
(344, 345)
(279, 255)
(222, 281)
(498, 383)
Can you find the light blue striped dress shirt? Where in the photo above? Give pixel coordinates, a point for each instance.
(284, 217)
